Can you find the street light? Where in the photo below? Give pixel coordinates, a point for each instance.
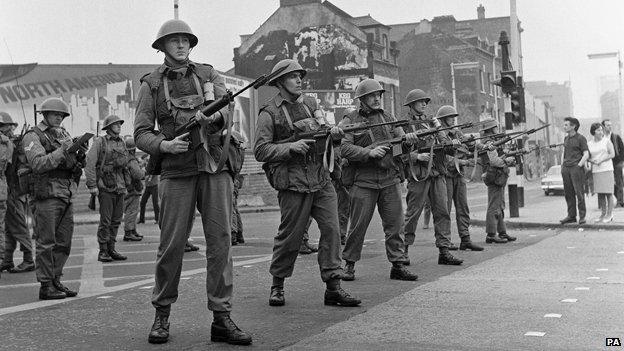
(463, 65)
(610, 55)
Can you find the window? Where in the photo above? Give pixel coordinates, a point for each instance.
(383, 105)
(489, 84)
(392, 98)
(481, 81)
(385, 55)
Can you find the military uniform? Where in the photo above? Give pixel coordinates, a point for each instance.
(304, 188)
(237, 222)
(55, 177)
(6, 156)
(457, 192)
(134, 182)
(106, 169)
(151, 189)
(186, 182)
(495, 178)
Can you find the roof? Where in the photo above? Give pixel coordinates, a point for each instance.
(366, 21)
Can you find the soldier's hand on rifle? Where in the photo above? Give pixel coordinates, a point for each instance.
(66, 143)
(510, 160)
(378, 152)
(455, 142)
(336, 133)
(425, 156)
(301, 146)
(204, 120)
(176, 146)
(93, 191)
(411, 138)
(490, 146)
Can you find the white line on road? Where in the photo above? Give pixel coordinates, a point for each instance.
(108, 290)
(593, 278)
(92, 273)
(552, 315)
(602, 269)
(570, 247)
(621, 252)
(534, 333)
(581, 288)
(146, 287)
(104, 297)
(569, 300)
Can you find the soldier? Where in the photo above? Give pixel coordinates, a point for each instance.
(374, 177)
(495, 177)
(427, 179)
(237, 222)
(170, 96)
(296, 170)
(6, 158)
(455, 183)
(55, 175)
(16, 228)
(106, 169)
(151, 189)
(134, 184)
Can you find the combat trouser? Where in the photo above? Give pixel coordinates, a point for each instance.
(343, 207)
(54, 227)
(211, 194)
(131, 210)
(390, 208)
(153, 192)
(17, 228)
(111, 212)
(237, 222)
(495, 216)
(3, 210)
(296, 209)
(458, 194)
(433, 188)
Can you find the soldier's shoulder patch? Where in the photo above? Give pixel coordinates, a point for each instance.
(30, 146)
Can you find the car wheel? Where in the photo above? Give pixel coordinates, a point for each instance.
(546, 192)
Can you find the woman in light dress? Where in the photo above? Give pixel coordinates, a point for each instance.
(601, 152)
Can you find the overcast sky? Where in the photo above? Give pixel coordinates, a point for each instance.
(557, 35)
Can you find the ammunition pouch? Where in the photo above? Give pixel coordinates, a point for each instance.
(277, 175)
(495, 176)
(42, 183)
(107, 174)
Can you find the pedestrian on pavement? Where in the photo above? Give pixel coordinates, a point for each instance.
(495, 175)
(601, 153)
(134, 176)
(54, 176)
(374, 177)
(107, 160)
(455, 183)
(6, 158)
(151, 190)
(295, 170)
(618, 160)
(170, 96)
(427, 180)
(575, 154)
(16, 206)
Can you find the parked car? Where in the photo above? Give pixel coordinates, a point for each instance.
(552, 182)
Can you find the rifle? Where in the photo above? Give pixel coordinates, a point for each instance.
(511, 137)
(520, 152)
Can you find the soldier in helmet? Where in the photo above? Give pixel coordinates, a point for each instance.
(55, 175)
(6, 158)
(304, 187)
(170, 96)
(427, 179)
(375, 177)
(496, 172)
(455, 183)
(16, 228)
(134, 185)
(106, 167)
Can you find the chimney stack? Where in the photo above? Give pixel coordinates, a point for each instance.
(480, 12)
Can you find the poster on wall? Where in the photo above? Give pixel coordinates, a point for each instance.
(334, 102)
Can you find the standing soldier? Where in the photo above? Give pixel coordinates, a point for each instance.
(170, 96)
(374, 177)
(455, 183)
(106, 166)
(6, 158)
(495, 177)
(16, 227)
(55, 176)
(427, 179)
(134, 184)
(296, 170)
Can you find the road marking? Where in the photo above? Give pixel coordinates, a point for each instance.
(569, 300)
(92, 273)
(247, 266)
(532, 234)
(571, 247)
(581, 288)
(534, 333)
(185, 278)
(602, 269)
(552, 315)
(104, 297)
(593, 278)
(621, 252)
(108, 290)
(146, 287)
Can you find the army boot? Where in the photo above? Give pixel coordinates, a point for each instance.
(491, 238)
(466, 244)
(224, 329)
(310, 246)
(6, 265)
(159, 333)
(49, 292)
(103, 256)
(506, 236)
(60, 287)
(407, 259)
(129, 236)
(445, 257)
(137, 234)
(23, 267)
(277, 296)
(453, 247)
(340, 297)
(114, 254)
(188, 247)
(349, 271)
(399, 272)
(304, 249)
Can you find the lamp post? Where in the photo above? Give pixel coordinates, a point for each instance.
(463, 65)
(619, 60)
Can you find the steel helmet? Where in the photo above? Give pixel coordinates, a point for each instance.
(129, 140)
(488, 124)
(54, 105)
(174, 26)
(5, 118)
(366, 87)
(110, 120)
(446, 111)
(415, 95)
(292, 66)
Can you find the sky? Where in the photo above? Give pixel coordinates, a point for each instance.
(558, 34)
